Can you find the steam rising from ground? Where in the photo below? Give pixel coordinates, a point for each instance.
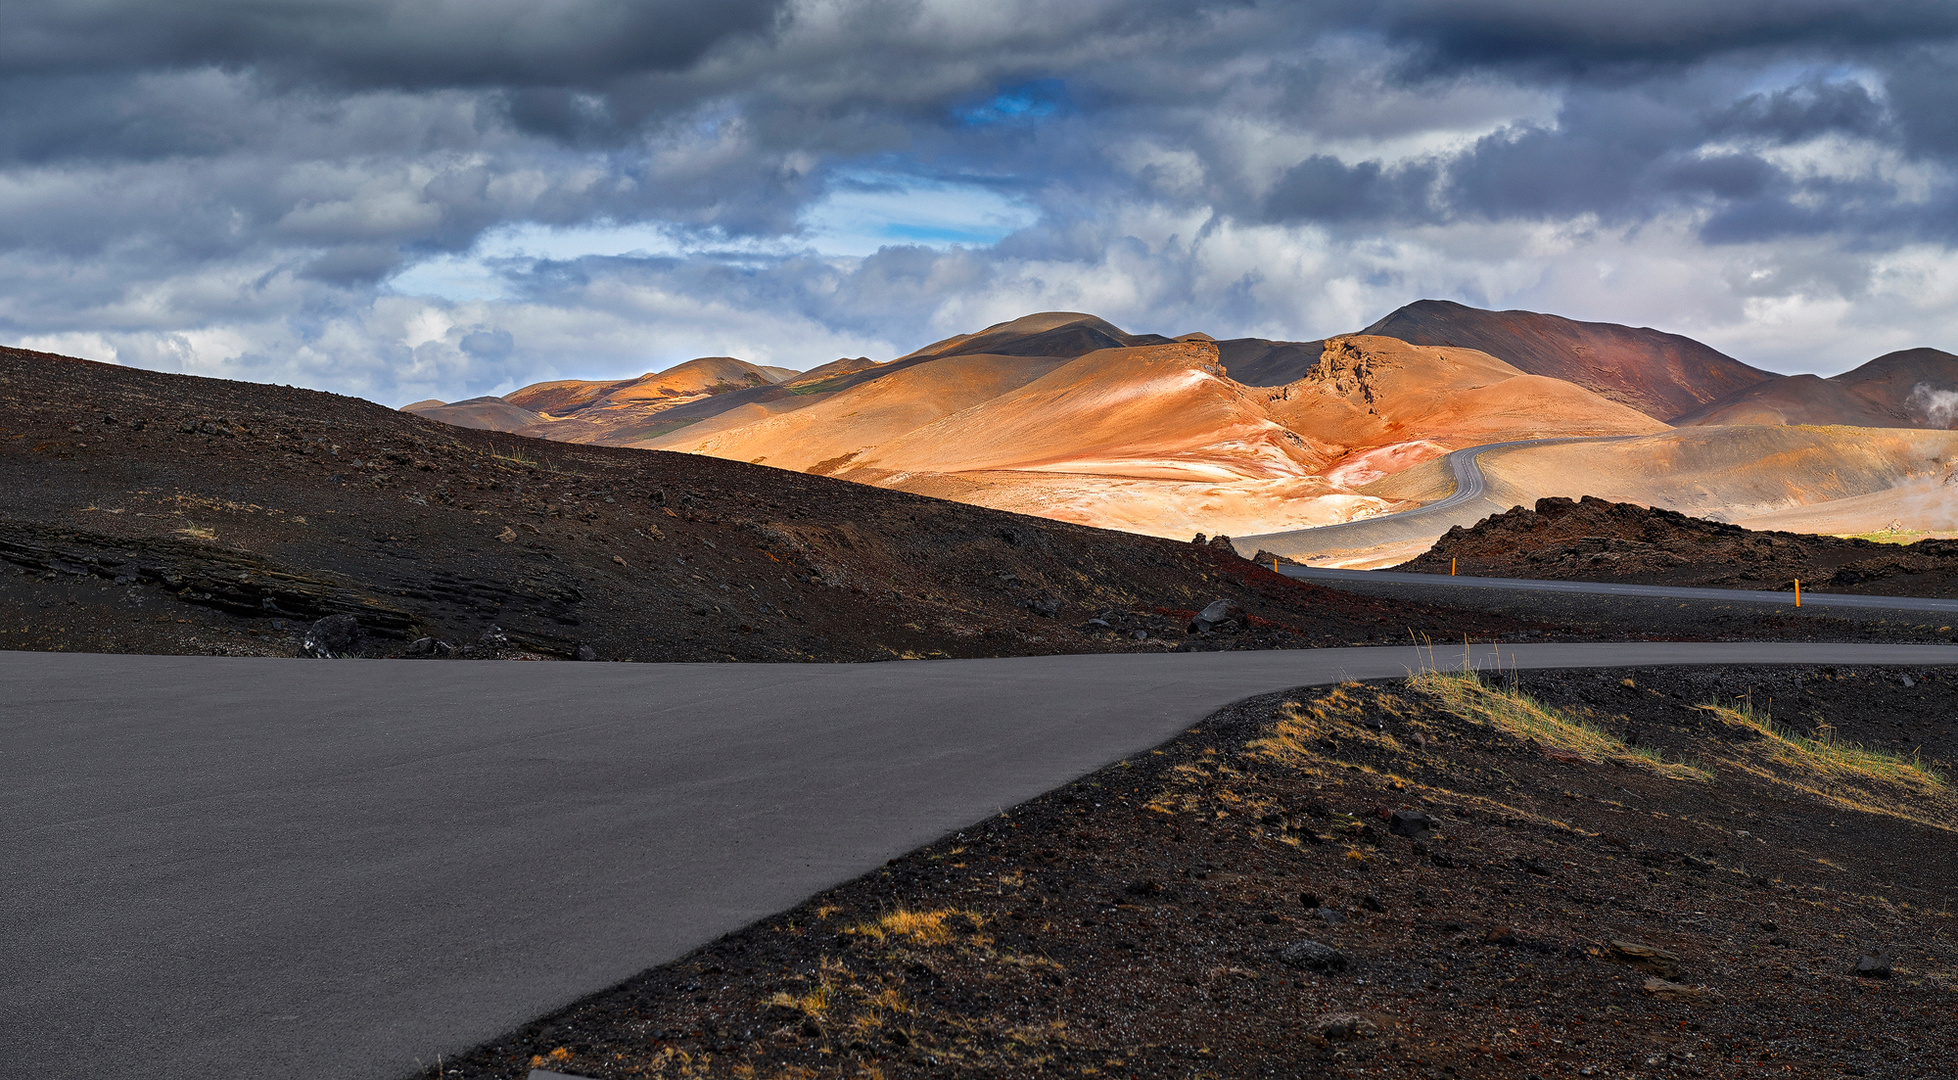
(1939, 406)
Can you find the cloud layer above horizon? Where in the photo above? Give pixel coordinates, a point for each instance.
(416, 198)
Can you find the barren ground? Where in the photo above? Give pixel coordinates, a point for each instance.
(1573, 913)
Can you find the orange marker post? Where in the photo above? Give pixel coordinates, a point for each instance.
(1451, 567)
(1798, 592)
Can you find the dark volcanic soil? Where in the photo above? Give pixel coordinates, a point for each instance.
(157, 513)
(1595, 540)
(1569, 916)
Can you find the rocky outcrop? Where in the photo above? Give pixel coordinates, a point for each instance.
(231, 581)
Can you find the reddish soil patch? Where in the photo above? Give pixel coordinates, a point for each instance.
(1595, 540)
(1567, 917)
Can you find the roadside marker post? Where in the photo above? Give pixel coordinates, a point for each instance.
(1451, 567)
(1798, 592)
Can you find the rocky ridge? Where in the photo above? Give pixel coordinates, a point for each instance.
(1594, 540)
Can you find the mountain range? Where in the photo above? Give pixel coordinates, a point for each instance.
(1065, 415)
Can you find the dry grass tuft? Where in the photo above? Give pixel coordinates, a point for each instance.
(1836, 771)
(1467, 696)
(1823, 752)
(918, 927)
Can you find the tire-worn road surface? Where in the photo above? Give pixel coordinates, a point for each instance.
(229, 867)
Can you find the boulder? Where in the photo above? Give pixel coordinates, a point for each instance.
(1412, 824)
(1874, 964)
(1313, 956)
(585, 652)
(333, 636)
(427, 646)
(1220, 615)
(1667, 990)
(1647, 958)
(1340, 1027)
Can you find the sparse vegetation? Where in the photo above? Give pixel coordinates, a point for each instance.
(1824, 752)
(1466, 695)
(939, 927)
(1836, 770)
(1902, 536)
(515, 456)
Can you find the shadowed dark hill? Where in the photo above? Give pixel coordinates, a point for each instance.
(485, 413)
(1912, 388)
(1259, 362)
(1048, 333)
(1662, 375)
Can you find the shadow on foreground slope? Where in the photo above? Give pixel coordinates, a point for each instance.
(161, 513)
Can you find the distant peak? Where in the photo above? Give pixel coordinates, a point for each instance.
(1042, 321)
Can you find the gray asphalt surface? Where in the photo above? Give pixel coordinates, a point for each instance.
(1330, 576)
(338, 869)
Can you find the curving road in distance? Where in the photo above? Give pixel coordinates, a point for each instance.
(1326, 575)
(1466, 505)
(340, 869)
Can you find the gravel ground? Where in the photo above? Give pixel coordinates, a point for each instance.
(1243, 901)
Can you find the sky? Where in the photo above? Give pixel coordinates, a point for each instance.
(404, 199)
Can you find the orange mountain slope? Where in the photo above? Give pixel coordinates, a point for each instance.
(1065, 415)
(1159, 438)
(866, 415)
(694, 378)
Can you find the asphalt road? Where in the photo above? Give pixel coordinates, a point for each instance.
(1330, 576)
(338, 869)
(1466, 505)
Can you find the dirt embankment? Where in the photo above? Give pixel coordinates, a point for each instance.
(1380, 880)
(159, 513)
(1594, 540)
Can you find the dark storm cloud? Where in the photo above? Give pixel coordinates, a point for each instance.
(377, 43)
(1323, 188)
(1560, 36)
(218, 161)
(1816, 107)
(1627, 154)
(1922, 85)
